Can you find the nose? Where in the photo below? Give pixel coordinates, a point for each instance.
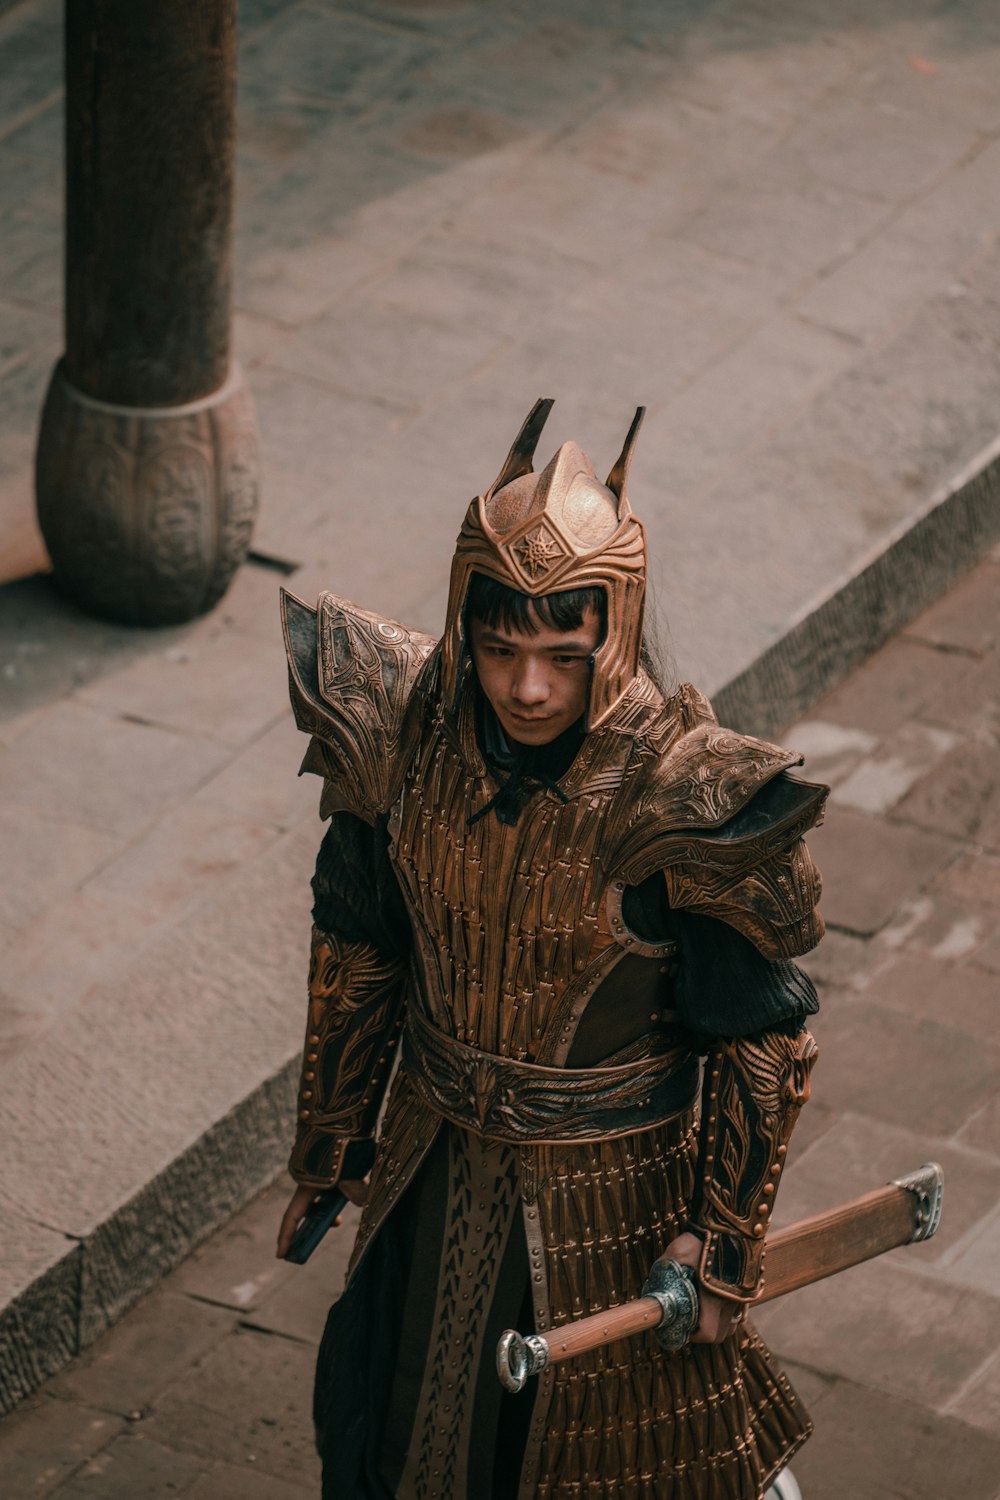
(529, 686)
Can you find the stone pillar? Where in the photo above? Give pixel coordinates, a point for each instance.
(146, 473)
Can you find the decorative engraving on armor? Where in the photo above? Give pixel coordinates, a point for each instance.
(353, 1027)
(561, 529)
(481, 1204)
(513, 1101)
(707, 775)
(147, 512)
(354, 697)
(754, 1089)
(539, 550)
(774, 906)
(497, 911)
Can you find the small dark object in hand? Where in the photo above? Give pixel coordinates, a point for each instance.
(321, 1214)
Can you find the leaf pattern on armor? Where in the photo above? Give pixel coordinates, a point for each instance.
(754, 1089)
(342, 975)
(355, 1000)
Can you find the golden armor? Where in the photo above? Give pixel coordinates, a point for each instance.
(543, 1133)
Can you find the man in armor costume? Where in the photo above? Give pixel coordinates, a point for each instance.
(567, 902)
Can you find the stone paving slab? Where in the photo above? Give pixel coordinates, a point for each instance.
(775, 224)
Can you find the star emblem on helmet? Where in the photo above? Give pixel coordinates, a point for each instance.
(537, 551)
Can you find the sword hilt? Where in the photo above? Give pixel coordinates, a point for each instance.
(668, 1307)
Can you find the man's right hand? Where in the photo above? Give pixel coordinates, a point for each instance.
(353, 1189)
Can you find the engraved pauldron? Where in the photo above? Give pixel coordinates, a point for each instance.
(351, 676)
(774, 905)
(503, 1099)
(754, 1089)
(355, 998)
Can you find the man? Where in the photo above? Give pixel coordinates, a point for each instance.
(551, 889)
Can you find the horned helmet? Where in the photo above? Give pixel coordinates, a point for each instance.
(550, 532)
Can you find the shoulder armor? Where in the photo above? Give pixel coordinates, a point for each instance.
(351, 676)
(718, 814)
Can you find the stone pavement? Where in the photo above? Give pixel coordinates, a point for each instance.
(777, 222)
(202, 1391)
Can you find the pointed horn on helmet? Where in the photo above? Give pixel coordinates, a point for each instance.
(616, 479)
(518, 460)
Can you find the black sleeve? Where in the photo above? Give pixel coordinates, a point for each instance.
(355, 891)
(725, 987)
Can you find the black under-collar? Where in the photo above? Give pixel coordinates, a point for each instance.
(521, 769)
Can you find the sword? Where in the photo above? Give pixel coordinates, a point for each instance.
(903, 1212)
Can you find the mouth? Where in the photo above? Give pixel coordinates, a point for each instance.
(530, 718)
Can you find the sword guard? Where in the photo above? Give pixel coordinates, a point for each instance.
(674, 1287)
(927, 1185)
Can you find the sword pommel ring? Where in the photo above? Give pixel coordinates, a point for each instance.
(518, 1357)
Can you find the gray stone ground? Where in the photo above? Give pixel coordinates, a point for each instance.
(202, 1390)
(777, 222)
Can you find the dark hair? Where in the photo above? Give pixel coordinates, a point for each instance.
(505, 608)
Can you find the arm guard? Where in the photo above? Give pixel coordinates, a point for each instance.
(754, 1088)
(355, 1004)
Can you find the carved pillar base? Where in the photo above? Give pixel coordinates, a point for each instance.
(146, 513)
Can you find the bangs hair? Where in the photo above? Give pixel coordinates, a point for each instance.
(503, 608)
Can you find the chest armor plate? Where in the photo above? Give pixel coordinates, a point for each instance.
(514, 926)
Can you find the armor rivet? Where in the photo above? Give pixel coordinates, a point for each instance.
(538, 1275)
(769, 1187)
(312, 1056)
(303, 1114)
(782, 1150)
(310, 1076)
(758, 1230)
(314, 1041)
(763, 1208)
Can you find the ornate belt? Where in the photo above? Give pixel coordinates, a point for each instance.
(523, 1103)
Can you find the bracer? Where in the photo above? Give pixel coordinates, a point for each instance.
(754, 1088)
(355, 1003)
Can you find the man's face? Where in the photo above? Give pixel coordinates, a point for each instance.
(538, 684)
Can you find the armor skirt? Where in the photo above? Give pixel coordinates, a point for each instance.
(489, 1236)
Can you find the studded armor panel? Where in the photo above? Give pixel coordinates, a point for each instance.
(355, 999)
(754, 1089)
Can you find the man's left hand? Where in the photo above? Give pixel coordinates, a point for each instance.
(719, 1317)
